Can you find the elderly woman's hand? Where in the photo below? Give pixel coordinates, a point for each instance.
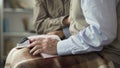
(43, 45)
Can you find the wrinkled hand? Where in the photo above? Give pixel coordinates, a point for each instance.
(43, 45)
(59, 33)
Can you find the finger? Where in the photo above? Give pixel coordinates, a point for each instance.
(35, 39)
(31, 45)
(32, 40)
(37, 52)
(35, 48)
(34, 44)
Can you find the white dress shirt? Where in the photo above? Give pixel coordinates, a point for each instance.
(102, 20)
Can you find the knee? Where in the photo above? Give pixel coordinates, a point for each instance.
(29, 63)
(23, 64)
(19, 56)
(15, 55)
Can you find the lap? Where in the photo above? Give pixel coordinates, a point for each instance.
(18, 55)
(21, 58)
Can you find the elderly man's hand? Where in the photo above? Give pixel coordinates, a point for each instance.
(43, 45)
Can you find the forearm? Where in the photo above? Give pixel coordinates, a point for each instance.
(99, 32)
(49, 24)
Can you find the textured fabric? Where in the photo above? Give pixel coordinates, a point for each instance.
(66, 32)
(91, 60)
(97, 34)
(20, 58)
(101, 16)
(49, 15)
(112, 51)
(77, 18)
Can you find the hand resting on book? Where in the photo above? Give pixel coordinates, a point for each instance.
(36, 47)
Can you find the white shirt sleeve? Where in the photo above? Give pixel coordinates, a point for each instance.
(102, 20)
(66, 32)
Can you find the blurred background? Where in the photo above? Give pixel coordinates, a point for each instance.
(16, 22)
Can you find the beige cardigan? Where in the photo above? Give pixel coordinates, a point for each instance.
(49, 15)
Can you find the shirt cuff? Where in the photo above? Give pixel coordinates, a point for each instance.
(66, 32)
